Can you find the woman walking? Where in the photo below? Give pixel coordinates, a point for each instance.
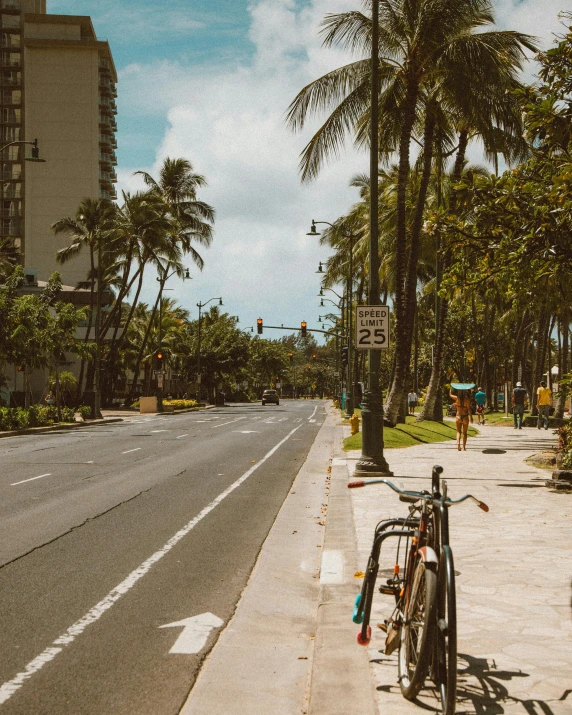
(463, 415)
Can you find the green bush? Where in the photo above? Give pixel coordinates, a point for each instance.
(22, 418)
(39, 416)
(85, 411)
(68, 414)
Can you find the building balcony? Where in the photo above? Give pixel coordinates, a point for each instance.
(11, 22)
(10, 5)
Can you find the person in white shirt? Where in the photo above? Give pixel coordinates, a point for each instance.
(412, 402)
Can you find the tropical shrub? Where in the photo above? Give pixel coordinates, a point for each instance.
(181, 404)
(85, 411)
(68, 414)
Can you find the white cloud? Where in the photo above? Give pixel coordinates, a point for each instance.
(229, 121)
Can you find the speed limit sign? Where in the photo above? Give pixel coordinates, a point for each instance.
(372, 327)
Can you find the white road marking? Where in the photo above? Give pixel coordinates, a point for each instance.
(246, 431)
(311, 420)
(90, 462)
(196, 631)
(283, 419)
(153, 431)
(332, 569)
(298, 419)
(31, 480)
(222, 424)
(314, 412)
(132, 450)
(182, 435)
(12, 686)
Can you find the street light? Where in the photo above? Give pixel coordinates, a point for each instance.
(351, 388)
(200, 306)
(372, 460)
(35, 151)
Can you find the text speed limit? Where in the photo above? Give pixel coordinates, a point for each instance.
(372, 327)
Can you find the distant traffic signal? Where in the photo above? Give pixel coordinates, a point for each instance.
(345, 355)
(159, 356)
(259, 326)
(303, 327)
(314, 356)
(291, 356)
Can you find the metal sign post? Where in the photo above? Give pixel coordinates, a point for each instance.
(372, 327)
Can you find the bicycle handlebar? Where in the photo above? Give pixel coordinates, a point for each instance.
(425, 496)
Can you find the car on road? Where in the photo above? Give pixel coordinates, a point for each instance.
(270, 396)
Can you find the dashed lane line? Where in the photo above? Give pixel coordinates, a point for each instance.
(222, 424)
(30, 480)
(56, 647)
(131, 450)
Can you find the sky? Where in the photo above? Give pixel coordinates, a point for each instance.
(210, 81)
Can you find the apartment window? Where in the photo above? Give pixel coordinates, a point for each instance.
(10, 227)
(10, 208)
(11, 171)
(11, 96)
(12, 153)
(11, 116)
(10, 59)
(10, 21)
(11, 190)
(11, 77)
(10, 134)
(10, 39)
(10, 4)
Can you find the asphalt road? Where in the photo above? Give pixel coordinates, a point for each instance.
(109, 533)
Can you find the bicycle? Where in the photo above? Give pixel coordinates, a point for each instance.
(423, 626)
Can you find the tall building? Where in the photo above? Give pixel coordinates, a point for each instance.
(57, 86)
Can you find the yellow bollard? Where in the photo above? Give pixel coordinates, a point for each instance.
(354, 424)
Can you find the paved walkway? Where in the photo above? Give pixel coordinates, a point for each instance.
(514, 570)
(291, 648)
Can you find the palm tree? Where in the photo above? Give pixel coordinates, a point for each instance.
(89, 228)
(432, 63)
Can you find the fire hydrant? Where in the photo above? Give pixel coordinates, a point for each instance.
(354, 424)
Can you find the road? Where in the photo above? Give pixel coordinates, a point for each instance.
(108, 533)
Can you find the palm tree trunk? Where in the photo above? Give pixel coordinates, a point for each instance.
(565, 327)
(144, 343)
(394, 399)
(433, 407)
(403, 351)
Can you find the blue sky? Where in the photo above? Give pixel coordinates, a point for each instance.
(210, 80)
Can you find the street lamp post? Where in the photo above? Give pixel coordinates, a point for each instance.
(200, 306)
(349, 285)
(372, 460)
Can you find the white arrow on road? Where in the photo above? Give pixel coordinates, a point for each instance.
(196, 631)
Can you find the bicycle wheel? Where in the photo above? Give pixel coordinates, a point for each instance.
(415, 647)
(446, 671)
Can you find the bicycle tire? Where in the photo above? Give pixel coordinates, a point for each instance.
(416, 642)
(446, 640)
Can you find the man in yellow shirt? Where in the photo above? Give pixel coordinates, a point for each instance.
(544, 402)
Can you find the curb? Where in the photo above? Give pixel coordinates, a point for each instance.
(60, 427)
(341, 682)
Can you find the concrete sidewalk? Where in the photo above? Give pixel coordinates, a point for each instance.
(291, 648)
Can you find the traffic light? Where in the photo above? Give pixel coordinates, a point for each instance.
(345, 355)
(291, 356)
(314, 356)
(303, 328)
(259, 326)
(159, 356)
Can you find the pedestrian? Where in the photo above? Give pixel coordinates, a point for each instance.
(412, 401)
(481, 400)
(544, 403)
(50, 399)
(518, 397)
(462, 416)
